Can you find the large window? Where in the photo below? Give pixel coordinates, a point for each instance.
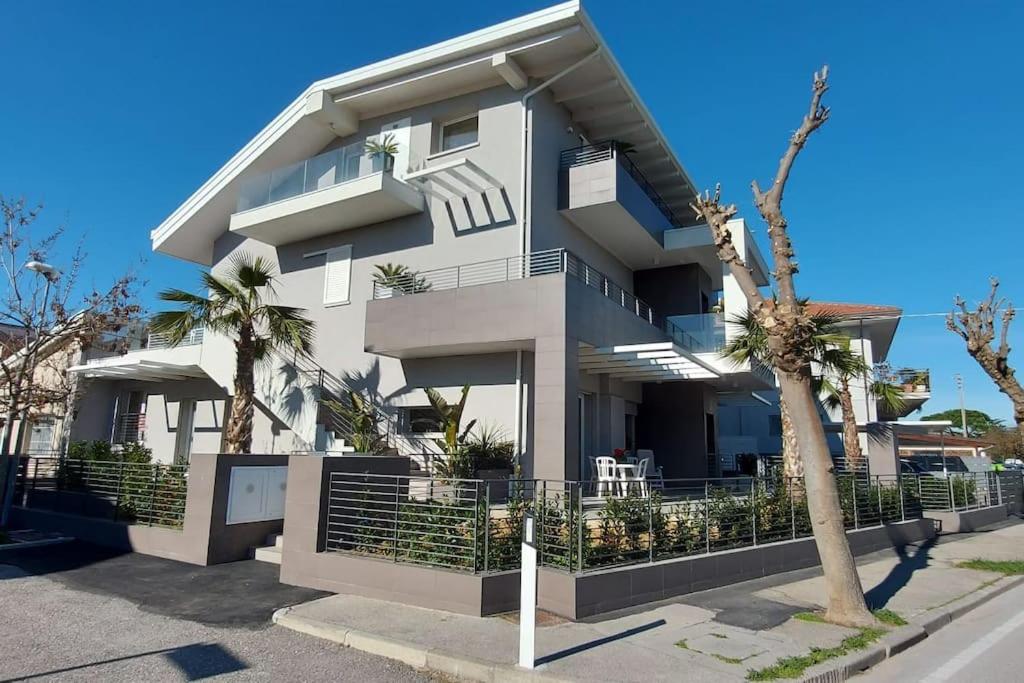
(420, 421)
(459, 133)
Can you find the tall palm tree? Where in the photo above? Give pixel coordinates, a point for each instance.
(841, 366)
(751, 346)
(238, 306)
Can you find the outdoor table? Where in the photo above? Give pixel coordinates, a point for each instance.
(627, 473)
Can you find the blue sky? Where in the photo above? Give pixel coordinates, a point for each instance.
(114, 112)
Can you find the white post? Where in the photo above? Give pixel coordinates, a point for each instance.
(528, 595)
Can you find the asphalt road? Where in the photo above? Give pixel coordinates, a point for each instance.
(74, 613)
(981, 646)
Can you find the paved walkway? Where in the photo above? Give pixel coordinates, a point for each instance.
(77, 613)
(713, 636)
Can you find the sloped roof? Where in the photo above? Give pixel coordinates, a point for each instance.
(942, 439)
(541, 43)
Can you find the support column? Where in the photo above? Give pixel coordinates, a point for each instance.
(735, 300)
(556, 408)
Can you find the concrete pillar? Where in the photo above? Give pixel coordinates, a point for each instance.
(882, 448)
(556, 408)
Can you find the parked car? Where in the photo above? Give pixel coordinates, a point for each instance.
(936, 464)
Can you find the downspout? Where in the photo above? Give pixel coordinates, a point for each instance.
(525, 176)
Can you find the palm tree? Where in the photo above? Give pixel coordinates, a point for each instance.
(841, 365)
(450, 418)
(751, 346)
(363, 420)
(237, 307)
(400, 277)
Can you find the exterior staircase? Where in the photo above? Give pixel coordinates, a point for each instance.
(271, 552)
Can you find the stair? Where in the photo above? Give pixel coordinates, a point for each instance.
(271, 552)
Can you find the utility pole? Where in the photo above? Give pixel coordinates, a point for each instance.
(963, 411)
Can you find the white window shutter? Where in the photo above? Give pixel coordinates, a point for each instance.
(338, 275)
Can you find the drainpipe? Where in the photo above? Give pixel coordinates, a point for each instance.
(525, 176)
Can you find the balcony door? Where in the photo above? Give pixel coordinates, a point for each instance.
(401, 132)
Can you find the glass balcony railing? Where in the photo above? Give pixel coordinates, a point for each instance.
(700, 332)
(320, 172)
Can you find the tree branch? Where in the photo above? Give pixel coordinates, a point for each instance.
(711, 210)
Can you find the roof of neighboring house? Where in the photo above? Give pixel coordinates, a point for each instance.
(942, 440)
(845, 310)
(869, 321)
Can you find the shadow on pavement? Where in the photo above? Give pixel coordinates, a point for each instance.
(582, 647)
(242, 594)
(899, 575)
(196, 662)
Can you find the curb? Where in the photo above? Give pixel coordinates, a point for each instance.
(897, 641)
(414, 655)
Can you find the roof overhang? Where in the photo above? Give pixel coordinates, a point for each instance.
(600, 98)
(653, 362)
(138, 369)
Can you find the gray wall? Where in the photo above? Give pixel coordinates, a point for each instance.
(204, 538)
(674, 290)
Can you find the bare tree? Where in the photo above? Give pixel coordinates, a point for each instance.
(790, 332)
(978, 329)
(47, 317)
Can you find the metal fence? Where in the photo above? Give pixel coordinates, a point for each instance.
(476, 525)
(150, 494)
(962, 491)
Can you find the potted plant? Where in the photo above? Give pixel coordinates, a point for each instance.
(385, 148)
(394, 279)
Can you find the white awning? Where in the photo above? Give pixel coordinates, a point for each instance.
(653, 362)
(139, 369)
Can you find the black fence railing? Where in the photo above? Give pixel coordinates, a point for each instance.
(150, 494)
(475, 525)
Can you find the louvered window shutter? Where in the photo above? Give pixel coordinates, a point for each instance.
(338, 275)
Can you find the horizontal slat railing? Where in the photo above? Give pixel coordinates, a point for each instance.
(150, 494)
(476, 525)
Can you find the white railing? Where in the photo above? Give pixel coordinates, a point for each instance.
(157, 340)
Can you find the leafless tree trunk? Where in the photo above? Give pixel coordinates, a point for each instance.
(977, 328)
(790, 330)
(851, 438)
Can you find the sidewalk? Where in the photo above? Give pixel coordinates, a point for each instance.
(716, 635)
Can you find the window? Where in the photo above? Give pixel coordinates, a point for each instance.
(337, 273)
(420, 421)
(459, 133)
(41, 438)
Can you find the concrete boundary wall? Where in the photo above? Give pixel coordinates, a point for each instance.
(965, 520)
(305, 563)
(204, 538)
(574, 596)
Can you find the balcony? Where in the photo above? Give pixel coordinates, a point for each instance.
(603, 192)
(915, 386)
(337, 190)
(148, 358)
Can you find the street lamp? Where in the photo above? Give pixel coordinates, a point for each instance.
(7, 490)
(963, 411)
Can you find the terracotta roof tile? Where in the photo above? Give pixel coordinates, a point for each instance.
(844, 310)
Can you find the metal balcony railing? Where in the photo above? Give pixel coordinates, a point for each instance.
(531, 265)
(156, 340)
(612, 149)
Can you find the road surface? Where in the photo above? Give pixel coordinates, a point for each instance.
(983, 646)
(70, 614)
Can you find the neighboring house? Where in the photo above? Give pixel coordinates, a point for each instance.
(751, 425)
(943, 444)
(54, 389)
(564, 275)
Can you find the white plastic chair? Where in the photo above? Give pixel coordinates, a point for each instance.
(641, 476)
(592, 474)
(606, 479)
